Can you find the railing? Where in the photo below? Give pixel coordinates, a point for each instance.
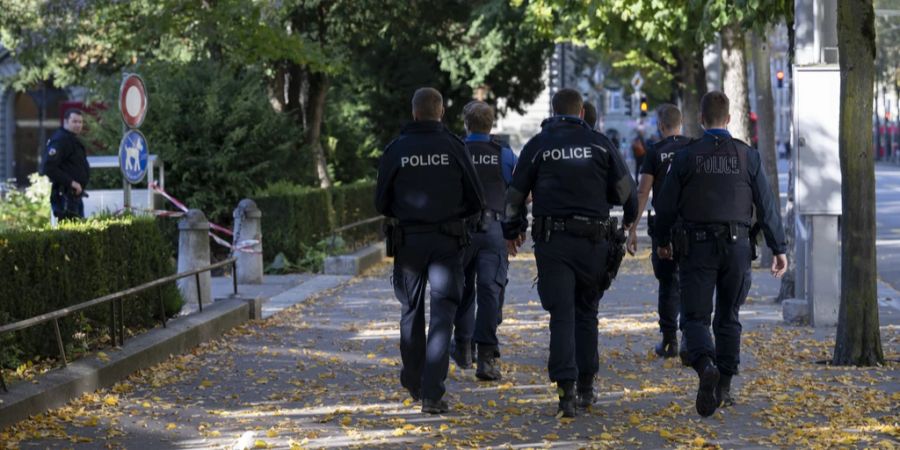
(116, 327)
(349, 226)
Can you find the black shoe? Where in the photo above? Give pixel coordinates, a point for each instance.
(488, 367)
(683, 353)
(461, 352)
(707, 401)
(668, 348)
(585, 395)
(416, 394)
(434, 406)
(723, 391)
(566, 391)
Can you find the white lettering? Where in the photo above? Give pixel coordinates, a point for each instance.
(433, 159)
(482, 160)
(557, 154)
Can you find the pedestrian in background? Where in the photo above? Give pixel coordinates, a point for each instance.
(64, 162)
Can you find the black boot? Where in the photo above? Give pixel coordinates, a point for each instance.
(585, 392)
(707, 400)
(723, 390)
(488, 366)
(668, 348)
(566, 391)
(434, 406)
(461, 352)
(683, 353)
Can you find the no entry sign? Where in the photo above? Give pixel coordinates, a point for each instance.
(133, 100)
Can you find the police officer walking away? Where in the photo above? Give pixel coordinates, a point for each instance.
(575, 175)
(653, 173)
(712, 187)
(427, 185)
(65, 163)
(485, 262)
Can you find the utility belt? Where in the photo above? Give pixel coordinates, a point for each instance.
(593, 228)
(483, 222)
(686, 234)
(395, 233)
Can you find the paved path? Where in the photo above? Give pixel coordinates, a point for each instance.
(325, 374)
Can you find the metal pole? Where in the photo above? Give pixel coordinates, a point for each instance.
(162, 306)
(62, 349)
(234, 276)
(112, 322)
(121, 321)
(2, 381)
(199, 294)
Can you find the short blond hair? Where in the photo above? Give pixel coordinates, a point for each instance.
(478, 117)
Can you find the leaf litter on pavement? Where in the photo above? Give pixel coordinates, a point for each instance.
(326, 374)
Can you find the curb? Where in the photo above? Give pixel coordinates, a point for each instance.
(89, 374)
(355, 263)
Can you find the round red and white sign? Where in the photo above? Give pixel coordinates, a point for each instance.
(133, 100)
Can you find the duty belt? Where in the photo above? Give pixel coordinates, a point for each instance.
(704, 232)
(593, 228)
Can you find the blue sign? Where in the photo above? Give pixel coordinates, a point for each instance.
(133, 155)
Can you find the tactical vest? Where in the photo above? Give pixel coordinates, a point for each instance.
(718, 187)
(486, 157)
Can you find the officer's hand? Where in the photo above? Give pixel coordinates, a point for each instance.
(664, 252)
(511, 247)
(631, 246)
(76, 186)
(520, 240)
(779, 265)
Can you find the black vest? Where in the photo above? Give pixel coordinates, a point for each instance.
(717, 188)
(486, 157)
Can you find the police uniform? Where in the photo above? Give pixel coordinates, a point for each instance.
(64, 160)
(575, 176)
(427, 184)
(656, 163)
(485, 261)
(712, 187)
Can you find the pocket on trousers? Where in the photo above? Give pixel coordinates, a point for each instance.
(502, 273)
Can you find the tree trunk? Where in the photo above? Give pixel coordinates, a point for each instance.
(765, 113)
(734, 82)
(315, 111)
(691, 85)
(858, 339)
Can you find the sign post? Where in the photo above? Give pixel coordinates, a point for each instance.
(133, 149)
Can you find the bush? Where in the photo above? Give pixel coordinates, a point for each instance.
(352, 203)
(46, 270)
(28, 209)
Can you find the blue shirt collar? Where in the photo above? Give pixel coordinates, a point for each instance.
(478, 137)
(721, 132)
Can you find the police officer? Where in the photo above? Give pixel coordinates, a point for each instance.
(653, 173)
(485, 262)
(712, 187)
(65, 163)
(575, 176)
(427, 185)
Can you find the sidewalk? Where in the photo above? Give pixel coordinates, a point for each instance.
(324, 373)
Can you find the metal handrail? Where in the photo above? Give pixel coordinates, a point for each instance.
(357, 223)
(116, 306)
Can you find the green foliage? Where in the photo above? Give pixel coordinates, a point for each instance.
(45, 270)
(28, 209)
(353, 203)
(215, 130)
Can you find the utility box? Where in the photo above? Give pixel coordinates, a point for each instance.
(817, 189)
(817, 112)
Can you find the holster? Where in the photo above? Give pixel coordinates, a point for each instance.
(651, 223)
(681, 242)
(615, 254)
(393, 236)
(754, 245)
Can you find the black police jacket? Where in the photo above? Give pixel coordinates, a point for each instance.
(486, 157)
(426, 176)
(719, 180)
(64, 160)
(571, 170)
(658, 158)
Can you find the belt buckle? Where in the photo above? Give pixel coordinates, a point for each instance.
(558, 226)
(700, 235)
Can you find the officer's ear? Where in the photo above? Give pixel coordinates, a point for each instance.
(727, 119)
(581, 114)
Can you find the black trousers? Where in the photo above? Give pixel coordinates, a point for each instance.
(66, 206)
(569, 271)
(485, 265)
(668, 301)
(434, 259)
(723, 269)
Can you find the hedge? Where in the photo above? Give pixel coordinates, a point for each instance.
(295, 218)
(46, 270)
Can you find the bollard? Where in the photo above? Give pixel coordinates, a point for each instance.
(193, 253)
(247, 227)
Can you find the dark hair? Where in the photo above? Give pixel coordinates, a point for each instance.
(668, 116)
(714, 108)
(427, 104)
(590, 114)
(568, 102)
(71, 111)
(478, 117)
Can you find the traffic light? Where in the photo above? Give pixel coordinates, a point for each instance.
(780, 77)
(644, 106)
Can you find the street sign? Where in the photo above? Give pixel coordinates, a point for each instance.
(637, 81)
(133, 155)
(133, 100)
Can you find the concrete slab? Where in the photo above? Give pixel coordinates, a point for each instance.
(301, 293)
(357, 262)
